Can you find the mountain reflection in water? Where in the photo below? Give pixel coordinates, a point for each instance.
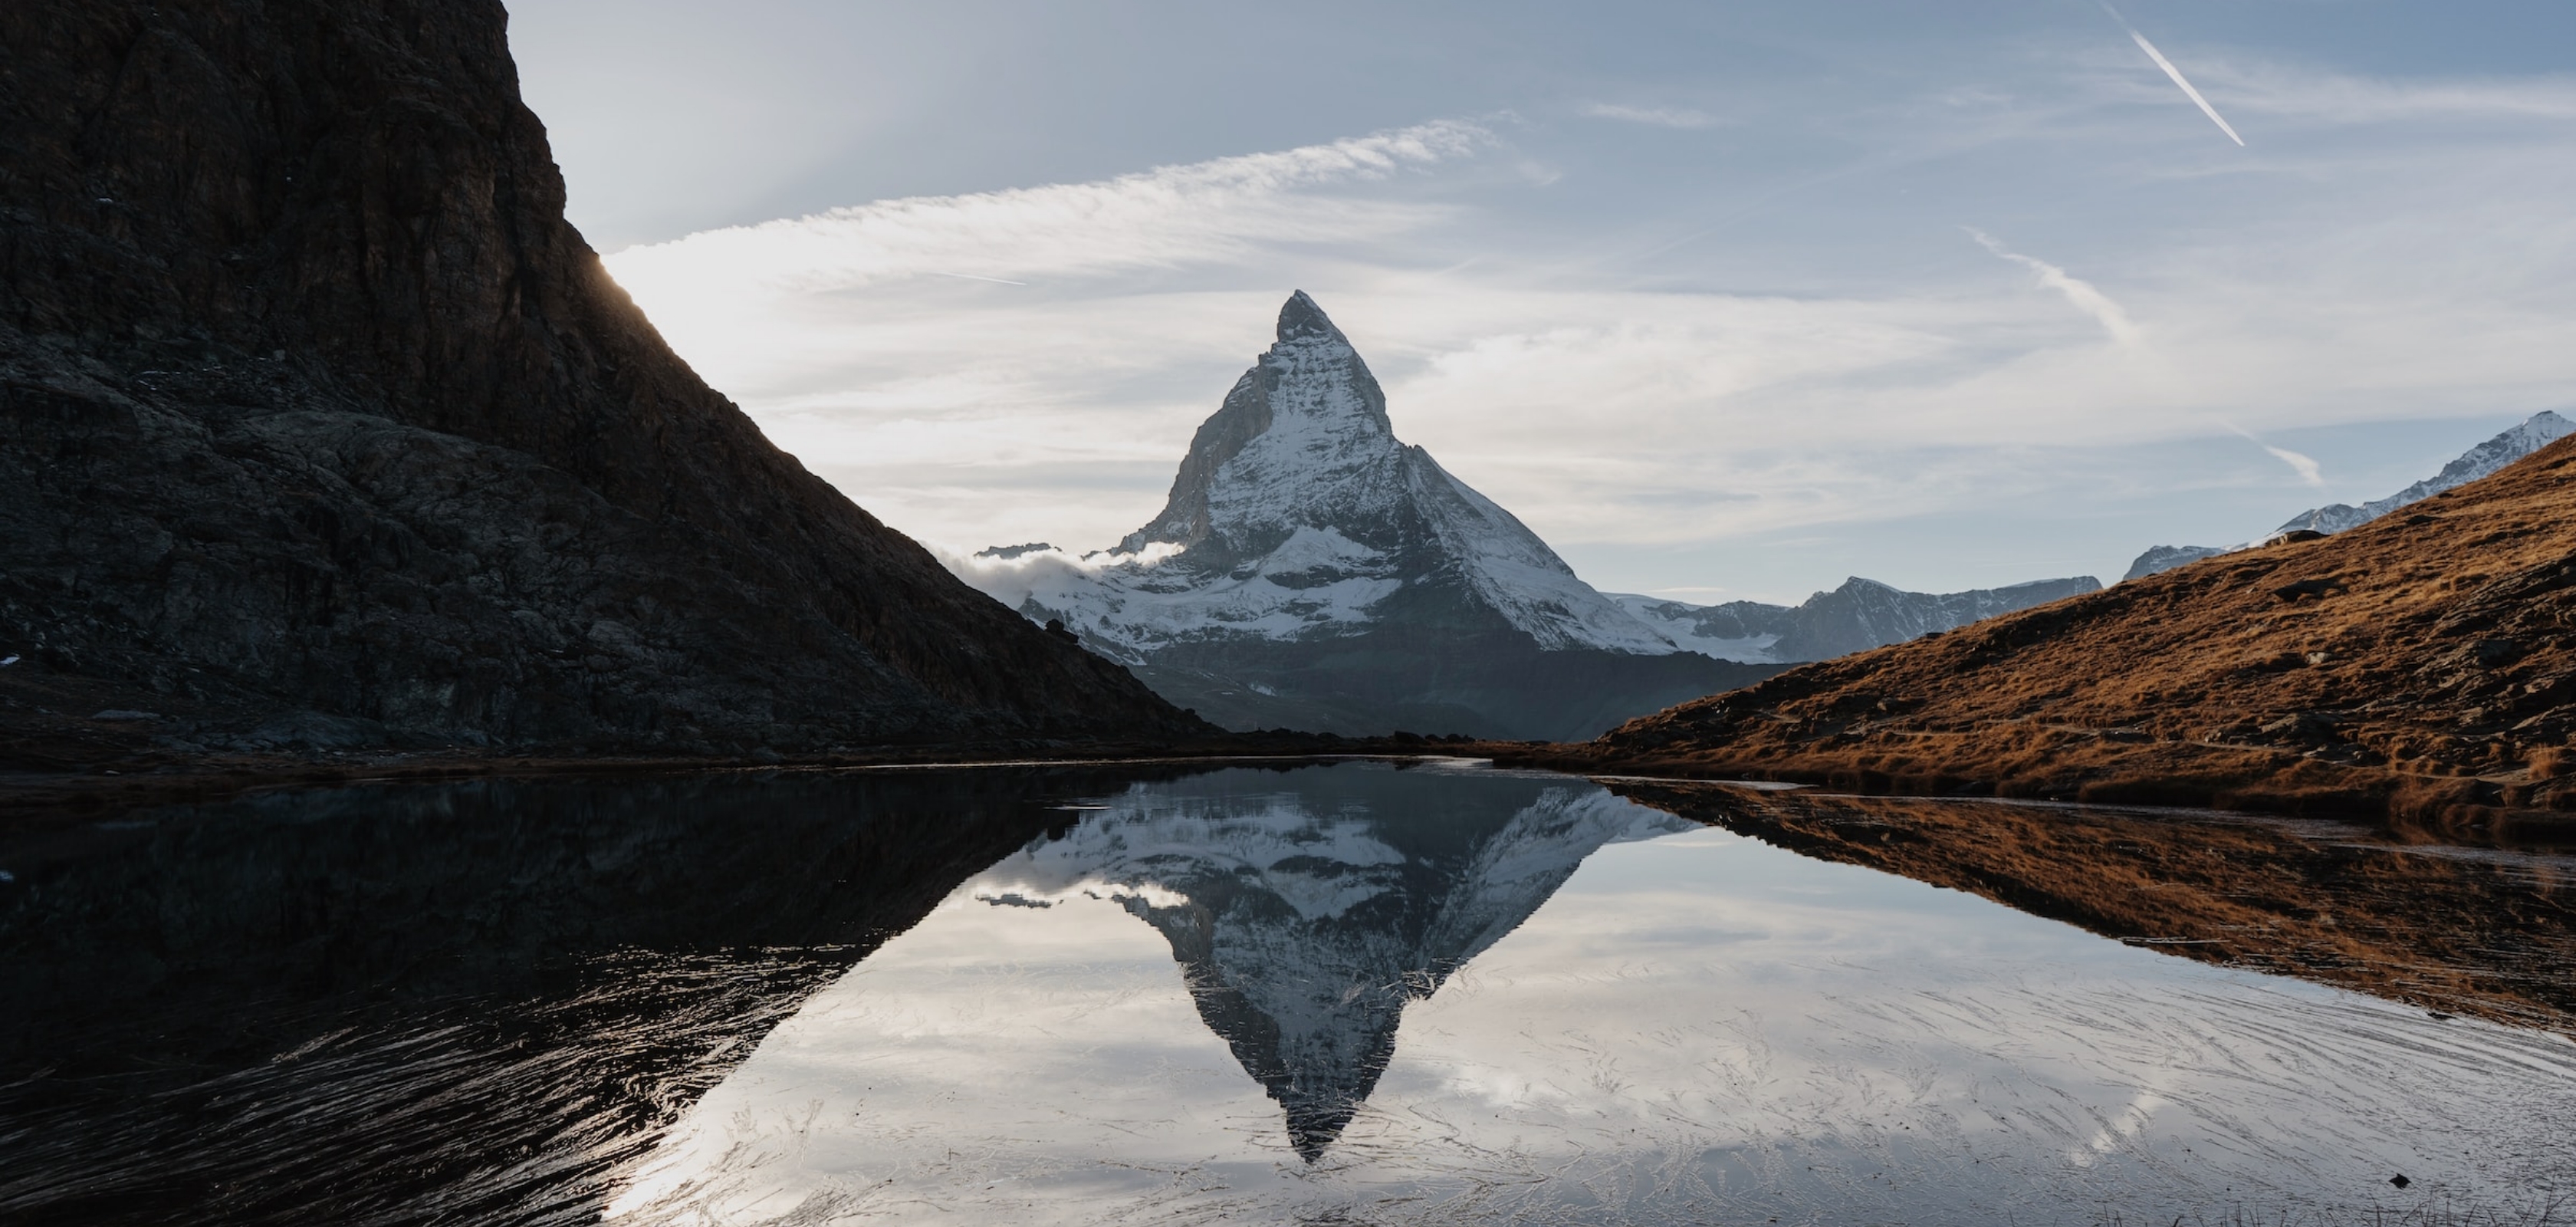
(1635, 1021)
(1345, 993)
(1304, 920)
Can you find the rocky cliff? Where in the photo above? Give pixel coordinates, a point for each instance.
(319, 424)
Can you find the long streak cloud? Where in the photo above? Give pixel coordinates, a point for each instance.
(2173, 72)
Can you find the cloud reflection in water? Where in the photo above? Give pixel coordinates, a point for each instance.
(1692, 1027)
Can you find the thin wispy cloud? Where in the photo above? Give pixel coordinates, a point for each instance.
(1166, 217)
(2300, 463)
(2173, 72)
(2083, 294)
(2310, 472)
(2305, 92)
(1660, 117)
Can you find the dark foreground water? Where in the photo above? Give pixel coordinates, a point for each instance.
(1337, 994)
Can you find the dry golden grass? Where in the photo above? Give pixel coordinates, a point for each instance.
(2419, 669)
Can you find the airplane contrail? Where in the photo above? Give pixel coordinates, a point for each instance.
(2173, 72)
(1002, 281)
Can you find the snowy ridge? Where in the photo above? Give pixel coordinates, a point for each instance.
(2530, 435)
(1860, 615)
(1298, 514)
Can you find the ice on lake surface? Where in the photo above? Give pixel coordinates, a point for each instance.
(1341, 993)
(1351, 994)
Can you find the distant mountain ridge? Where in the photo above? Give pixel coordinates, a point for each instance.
(1860, 615)
(2530, 435)
(1309, 569)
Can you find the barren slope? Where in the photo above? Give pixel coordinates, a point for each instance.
(2417, 668)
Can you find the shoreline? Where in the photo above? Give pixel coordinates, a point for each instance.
(2404, 808)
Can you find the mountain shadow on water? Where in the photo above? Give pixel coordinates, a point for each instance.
(1306, 913)
(451, 1003)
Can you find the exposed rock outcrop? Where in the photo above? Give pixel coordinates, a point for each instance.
(312, 402)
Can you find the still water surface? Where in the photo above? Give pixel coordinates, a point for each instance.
(1338, 993)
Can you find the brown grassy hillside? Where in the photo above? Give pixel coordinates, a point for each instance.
(2417, 669)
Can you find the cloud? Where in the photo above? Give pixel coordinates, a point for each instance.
(1660, 117)
(1656, 412)
(2087, 299)
(2310, 472)
(1161, 218)
(2303, 465)
(2300, 92)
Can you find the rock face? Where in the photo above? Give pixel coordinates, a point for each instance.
(1860, 615)
(2416, 668)
(314, 407)
(1311, 570)
(2532, 434)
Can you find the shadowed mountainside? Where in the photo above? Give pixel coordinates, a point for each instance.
(2417, 668)
(320, 426)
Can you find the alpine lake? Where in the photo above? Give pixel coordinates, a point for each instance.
(1344, 992)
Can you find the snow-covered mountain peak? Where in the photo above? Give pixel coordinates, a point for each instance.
(1298, 513)
(1300, 318)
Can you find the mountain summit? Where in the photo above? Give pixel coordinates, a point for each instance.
(1297, 499)
(1309, 568)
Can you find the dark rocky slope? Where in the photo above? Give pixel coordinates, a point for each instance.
(319, 424)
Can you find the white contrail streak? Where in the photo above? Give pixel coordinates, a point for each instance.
(2084, 294)
(994, 280)
(2173, 72)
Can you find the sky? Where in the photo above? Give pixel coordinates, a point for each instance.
(1724, 300)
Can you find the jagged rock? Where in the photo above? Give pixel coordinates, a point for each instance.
(310, 400)
(1311, 570)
